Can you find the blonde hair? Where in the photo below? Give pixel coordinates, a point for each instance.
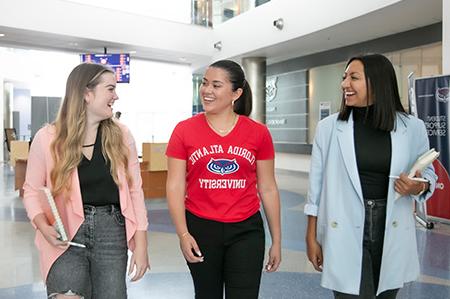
(70, 127)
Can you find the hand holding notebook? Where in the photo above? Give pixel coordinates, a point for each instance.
(58, 223)
(421, 163)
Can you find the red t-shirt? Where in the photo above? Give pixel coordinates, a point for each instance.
(221, 171)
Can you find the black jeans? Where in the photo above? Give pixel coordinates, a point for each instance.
(374, 226)
(233, 257)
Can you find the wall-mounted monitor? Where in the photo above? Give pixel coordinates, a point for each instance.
(120, 63)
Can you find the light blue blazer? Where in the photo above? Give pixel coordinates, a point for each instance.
(335, 197)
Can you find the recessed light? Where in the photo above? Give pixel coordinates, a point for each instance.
(132, 52)
(2, 34)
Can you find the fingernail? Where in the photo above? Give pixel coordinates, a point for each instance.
(269, 267)
(199, 253)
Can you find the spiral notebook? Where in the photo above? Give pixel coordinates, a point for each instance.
(59, 226)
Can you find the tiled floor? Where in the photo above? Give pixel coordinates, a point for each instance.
(169, 278)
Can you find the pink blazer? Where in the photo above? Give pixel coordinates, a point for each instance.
(70, 207)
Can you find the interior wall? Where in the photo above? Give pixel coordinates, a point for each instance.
(293, 162)
(21, 104)
(324, 87)
(287, 110)
(423, 61)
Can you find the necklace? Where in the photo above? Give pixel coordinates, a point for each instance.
(88, 145)
(226, 131)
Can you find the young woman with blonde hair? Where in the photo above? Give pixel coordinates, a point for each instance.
(89, 162)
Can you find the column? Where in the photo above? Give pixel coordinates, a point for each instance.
(446, 37)
(255, 73)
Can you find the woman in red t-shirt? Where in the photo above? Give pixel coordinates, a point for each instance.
(221, 163)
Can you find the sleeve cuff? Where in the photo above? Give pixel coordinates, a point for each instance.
(427, 194)
(311, 210)
(143, 227)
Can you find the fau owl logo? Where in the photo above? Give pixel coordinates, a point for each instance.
(271, 89)
(443, 94)
(223, 166)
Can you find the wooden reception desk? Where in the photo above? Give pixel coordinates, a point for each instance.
(153, 182)
(20, 169)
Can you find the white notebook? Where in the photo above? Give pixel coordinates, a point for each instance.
(421, 163)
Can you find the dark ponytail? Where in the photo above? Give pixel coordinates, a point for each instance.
(243, 105)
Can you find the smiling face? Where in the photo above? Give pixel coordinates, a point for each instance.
(354, 85)
(101, 98)
(216, 91)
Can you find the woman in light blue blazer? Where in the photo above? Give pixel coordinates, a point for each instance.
(361, 229)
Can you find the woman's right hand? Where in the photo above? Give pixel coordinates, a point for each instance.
(48, 231)
(52, 236)
(190, 249)
(314, 252)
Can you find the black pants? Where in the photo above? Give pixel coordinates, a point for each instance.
(374, 226)
(233, 257)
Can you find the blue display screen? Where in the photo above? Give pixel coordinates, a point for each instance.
(120, 63)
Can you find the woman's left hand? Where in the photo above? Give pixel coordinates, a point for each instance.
(406, 186)
(274, 258)
(139, 262)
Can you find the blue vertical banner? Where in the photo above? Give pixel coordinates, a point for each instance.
(433, 107)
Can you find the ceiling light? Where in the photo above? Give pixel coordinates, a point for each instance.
(2, 34)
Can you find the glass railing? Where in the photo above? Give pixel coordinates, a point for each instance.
(213, 12)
